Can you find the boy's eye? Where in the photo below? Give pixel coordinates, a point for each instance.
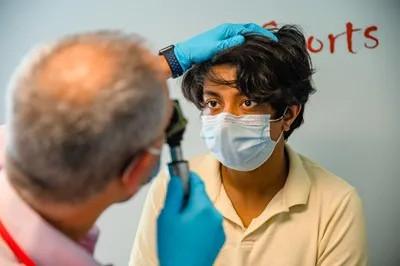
(249, 103)
(212, 104)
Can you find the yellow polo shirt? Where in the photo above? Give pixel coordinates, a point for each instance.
(315, 219)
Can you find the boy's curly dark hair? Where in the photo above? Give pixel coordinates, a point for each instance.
(277, 73)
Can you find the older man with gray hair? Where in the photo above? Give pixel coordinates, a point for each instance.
(85, 125)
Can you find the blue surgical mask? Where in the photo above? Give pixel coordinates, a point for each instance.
(242, 143)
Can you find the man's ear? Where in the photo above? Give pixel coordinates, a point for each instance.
(291, 114)
(137, 171)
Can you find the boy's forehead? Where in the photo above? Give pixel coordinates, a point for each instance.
(221, 90)
(224, 72)
(221, 79)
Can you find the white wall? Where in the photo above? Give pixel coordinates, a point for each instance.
(351, 122)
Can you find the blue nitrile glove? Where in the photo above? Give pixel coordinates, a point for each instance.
(191, 233)
(204, 46)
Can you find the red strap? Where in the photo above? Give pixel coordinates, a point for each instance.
(17, 250)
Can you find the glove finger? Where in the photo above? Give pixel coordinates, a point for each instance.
(231, 42)
(174, 197)
(252, 28)
(220, 236)
(231, 30)
(198, 197)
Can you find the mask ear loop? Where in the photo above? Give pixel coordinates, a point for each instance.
(279, 119)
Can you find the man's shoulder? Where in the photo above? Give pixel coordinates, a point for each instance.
(7, 258)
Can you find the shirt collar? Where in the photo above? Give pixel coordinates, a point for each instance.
(295, 191)
(41, 241)
(297, 187)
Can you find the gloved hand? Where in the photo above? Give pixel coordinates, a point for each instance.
(190, 234)
(204, 46)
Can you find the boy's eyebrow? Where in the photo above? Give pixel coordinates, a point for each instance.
(211, 93)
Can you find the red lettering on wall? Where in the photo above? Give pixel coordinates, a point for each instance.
(367, 34)
(310, 45)
(349, 32)
(332, 39)
(316, 45)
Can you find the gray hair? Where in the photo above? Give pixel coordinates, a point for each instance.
(67, 153)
